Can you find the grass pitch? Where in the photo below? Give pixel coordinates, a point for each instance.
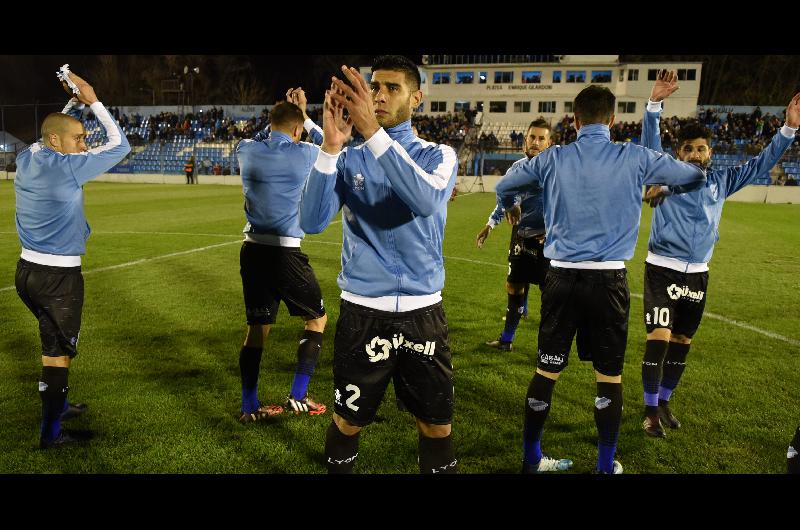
(163, 322)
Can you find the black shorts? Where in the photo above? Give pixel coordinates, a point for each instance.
(526, 261)
(55, 297)
(674, 300)
(594, 304)
(372, 347)
(271, 274)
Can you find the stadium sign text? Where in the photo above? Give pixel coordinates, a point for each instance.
(520, 87)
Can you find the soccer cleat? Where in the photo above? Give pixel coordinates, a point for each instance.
(546, 465)
(66, 437)
(617, 470)
(264, 412)
(667, 417)
(652, 427)
(304, 406)
(499, 345)
(73, 411)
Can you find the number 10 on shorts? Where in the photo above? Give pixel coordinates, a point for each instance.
(660, 316)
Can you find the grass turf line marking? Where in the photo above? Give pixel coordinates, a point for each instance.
(714, 316)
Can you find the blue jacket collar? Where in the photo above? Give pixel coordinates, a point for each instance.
(401, 131)
(279, 136)
(595, 131)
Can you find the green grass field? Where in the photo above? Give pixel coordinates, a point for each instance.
(161, 335)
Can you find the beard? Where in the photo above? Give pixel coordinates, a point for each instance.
(388, 121)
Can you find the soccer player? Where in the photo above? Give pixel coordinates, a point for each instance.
(393, 191)
(526, 261)
(592, 207)
(273, 268)
(53, 231)
(682, 237)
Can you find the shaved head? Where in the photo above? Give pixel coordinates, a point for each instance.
(63, 133)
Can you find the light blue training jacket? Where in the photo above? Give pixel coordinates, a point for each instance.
(49, 188)
(686, 225)
(393, 192)
(593, 193)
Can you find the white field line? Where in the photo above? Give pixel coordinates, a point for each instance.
(714, 316)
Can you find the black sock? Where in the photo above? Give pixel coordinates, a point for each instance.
(537, 406)
(53, 392)
(513, 314)
(792, 456)
(607, 416)
(436, 455)
(654, 353)
(341, 450)
(674, 365)
(307, 355)
(249, 363)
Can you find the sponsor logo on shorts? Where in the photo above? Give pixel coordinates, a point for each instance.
(42, 386)
(676, 292)
(378, 349)
(337, 397)
(791, 453)
(547, 358)
(358, 182)
(601, 403)
(537, 405)
(517, 249)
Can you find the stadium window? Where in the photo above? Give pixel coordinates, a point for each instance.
(531, 77)
(652, 74)
(576, 76)
(681, 74)
(601, 76)
(438, 106)
(441, 78)
(423, 77)
(464, 78)
(482, 78)
(568, 106)
(497, 106)
(461, 106)
(522, 106)
(691, 74)
(504, 77)
(547, 106)
(633, 75)
(556, 76)
(622, 75)
(626, 107)
(479, 106)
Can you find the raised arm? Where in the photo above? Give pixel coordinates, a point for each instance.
(740, 176)
(666, 83)
(423, 188)
(90, 164)
(324, 193)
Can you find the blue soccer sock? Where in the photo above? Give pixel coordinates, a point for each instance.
(674, 365)
(53, 393)
(249, 364)
(607, 416)
(537, 407)
(513, 314)
(654, 353)
(307, 356)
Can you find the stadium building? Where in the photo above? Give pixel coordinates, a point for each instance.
(520, 88)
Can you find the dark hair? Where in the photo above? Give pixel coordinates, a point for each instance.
(594, 104)
(540, 123)
(285, 114)
(399, 63)
(692, 131)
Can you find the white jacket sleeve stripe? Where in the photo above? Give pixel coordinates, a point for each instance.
(112, 131)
